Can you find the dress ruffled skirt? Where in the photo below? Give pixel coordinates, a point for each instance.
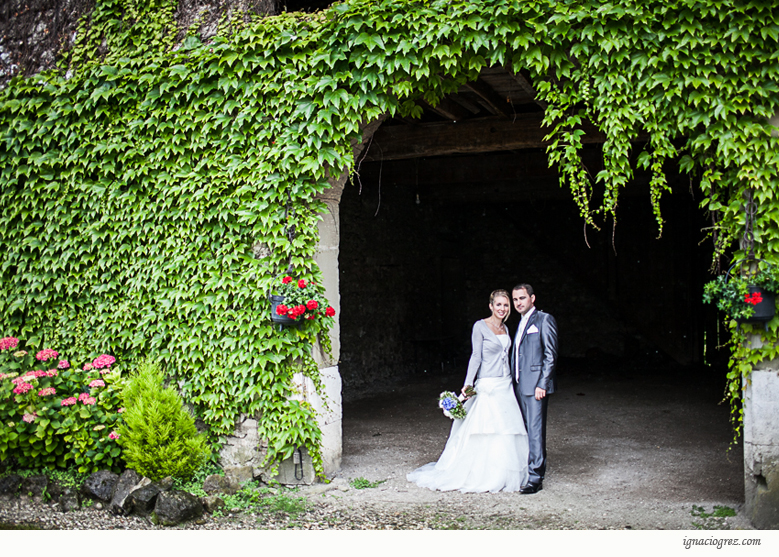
(486, 451)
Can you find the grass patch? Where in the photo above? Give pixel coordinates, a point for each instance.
(194, 485)
(719, 511)
(362, 483)
(709, 519)
(264, 500)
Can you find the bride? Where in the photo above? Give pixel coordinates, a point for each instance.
(488, 450)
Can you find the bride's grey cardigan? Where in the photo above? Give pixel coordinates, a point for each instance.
(489, 358)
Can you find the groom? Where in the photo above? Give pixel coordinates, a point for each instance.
(533, 362)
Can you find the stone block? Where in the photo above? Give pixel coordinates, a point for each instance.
(143, 499)
(174, 507)
(100, 485)
(243, 448)
(128, 481)
(328, 411)
(296, 470)
(69, 501)
(216, 483)
(10, 485)
(212, 503)
(239, 474)
(761, 447)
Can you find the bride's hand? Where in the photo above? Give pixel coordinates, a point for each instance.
(464, 393)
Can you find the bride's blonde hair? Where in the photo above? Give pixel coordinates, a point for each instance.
(504, 294)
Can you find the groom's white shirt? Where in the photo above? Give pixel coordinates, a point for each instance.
(520, 332)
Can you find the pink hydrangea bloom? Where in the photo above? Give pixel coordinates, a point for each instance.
(29, 418)
(22, 388)
(103, 361)
(70, 401)
(82, 396)
(46, 354)
(8, 342)
(20, 353)
(47, 391)
(63, 364)
(52, 373)
(121, 410)
(90, 401)
(36, 373)
(113, 435)
(87, 367)
(17, 380)
(97, 383)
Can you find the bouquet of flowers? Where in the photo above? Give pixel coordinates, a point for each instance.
(452, 404)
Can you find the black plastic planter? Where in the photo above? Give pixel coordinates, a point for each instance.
(282, 320)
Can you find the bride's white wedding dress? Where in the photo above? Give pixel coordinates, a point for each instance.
(488, 450)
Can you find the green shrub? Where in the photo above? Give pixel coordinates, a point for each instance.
(159, 437)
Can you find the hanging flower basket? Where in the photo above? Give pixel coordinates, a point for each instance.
(280, 318)
(297, 301)
(764, 303)
(749, 295)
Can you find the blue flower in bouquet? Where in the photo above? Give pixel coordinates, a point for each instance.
(452, 405)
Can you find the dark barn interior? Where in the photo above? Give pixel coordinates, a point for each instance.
(449, 207)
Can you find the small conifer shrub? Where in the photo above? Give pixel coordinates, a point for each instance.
(159, 437)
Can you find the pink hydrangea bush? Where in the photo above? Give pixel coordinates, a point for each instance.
(8, 343)
(103, 361)
(61, 415)
(46, 354)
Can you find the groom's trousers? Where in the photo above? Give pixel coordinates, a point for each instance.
(534, 414)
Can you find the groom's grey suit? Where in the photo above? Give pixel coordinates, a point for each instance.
(533, 362)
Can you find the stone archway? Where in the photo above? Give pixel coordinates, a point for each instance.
(327, 258)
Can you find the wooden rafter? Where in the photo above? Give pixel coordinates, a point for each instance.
(497, 105)
(447, 109)
(528, 88)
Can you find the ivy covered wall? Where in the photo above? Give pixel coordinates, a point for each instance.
(141, 182)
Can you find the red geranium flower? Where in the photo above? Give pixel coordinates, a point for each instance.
(312, 304)
(329, 311)
(301, 283)
(286, 280)
(281, 309)
(754, 298)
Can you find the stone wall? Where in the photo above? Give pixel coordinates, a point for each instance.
(36, 34)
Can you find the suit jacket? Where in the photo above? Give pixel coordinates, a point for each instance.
(537, 359)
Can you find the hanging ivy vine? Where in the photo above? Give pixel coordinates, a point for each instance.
(137, 178)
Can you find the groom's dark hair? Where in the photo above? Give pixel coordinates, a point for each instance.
(526, 287)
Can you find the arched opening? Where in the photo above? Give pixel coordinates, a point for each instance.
(426, 235)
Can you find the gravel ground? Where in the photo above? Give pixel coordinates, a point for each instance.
(640, 450)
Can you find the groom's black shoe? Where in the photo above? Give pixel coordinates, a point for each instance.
(531, 487)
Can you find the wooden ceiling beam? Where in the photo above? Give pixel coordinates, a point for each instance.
(447, 109)
(527, 87)
(465, 103)
(494, 101)
(478, 135)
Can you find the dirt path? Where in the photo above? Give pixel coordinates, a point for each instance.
(630, 449)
